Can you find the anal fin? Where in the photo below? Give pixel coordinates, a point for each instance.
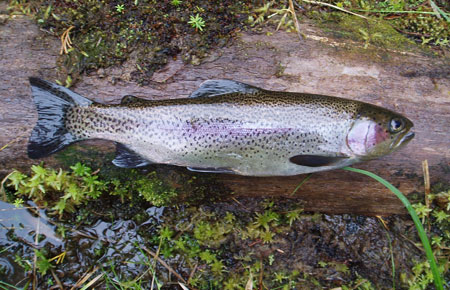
(126, 158)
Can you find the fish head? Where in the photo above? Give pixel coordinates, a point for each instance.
(376, 132)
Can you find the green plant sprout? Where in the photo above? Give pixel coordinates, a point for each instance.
(197, 22)
(423, 236)
(18, 202)
(120, 8)
(175, 2)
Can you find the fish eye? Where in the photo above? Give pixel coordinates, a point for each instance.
(396, 125)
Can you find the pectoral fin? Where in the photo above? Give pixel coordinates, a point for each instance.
(211, 170)
(316, 160)
(220, 87)
(126, 158)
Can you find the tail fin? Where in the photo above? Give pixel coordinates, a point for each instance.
(52, 102)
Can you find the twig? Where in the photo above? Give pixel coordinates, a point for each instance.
(164, 264)
(2, 189)
(249, 285)
(411, 33)
(386, 230)
(192, 273)
(382, 221)
(426, 180)
(13, 141)
(36, 242)
(297, 26)
(261, 271)
(237, 201)
(57, 279)
(335, 7)
(92, 282)
(84, 278)
(154, 262)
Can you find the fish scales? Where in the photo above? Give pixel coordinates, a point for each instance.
(231, 131)
(255, 132)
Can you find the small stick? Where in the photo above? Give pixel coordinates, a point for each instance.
(335, 7)
(36, 242)
(13, 141)
(426, 177)
(261, 271)
(2, 189)
(84, 278)
(154, 263)
(60, 285)
(154, 255)
(297, 26)
(192, 273)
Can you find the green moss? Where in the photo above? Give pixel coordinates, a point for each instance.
(375, 33)
(426, 29)
(165, 185)
(155, 190)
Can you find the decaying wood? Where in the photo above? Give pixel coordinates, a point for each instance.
(415, 85)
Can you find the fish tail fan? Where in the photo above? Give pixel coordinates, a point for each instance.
(52, 103)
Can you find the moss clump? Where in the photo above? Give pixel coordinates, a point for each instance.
(155, 190)
(372, 33)
(426, 29)
(388, 23)
(165, 185)
(63, 191)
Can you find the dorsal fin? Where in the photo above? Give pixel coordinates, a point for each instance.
(127, 158)
(220, 87)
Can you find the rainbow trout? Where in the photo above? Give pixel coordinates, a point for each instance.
(224, 126)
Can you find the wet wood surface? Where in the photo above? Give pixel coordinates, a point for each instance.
(413, 84)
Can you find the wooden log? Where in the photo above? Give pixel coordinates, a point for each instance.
(413, 84)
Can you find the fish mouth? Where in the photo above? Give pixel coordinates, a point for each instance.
(405, 139)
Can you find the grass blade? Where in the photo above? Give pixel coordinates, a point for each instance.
(438, 11)
(417, 223)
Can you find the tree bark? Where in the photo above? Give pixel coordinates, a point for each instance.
(413, 84)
